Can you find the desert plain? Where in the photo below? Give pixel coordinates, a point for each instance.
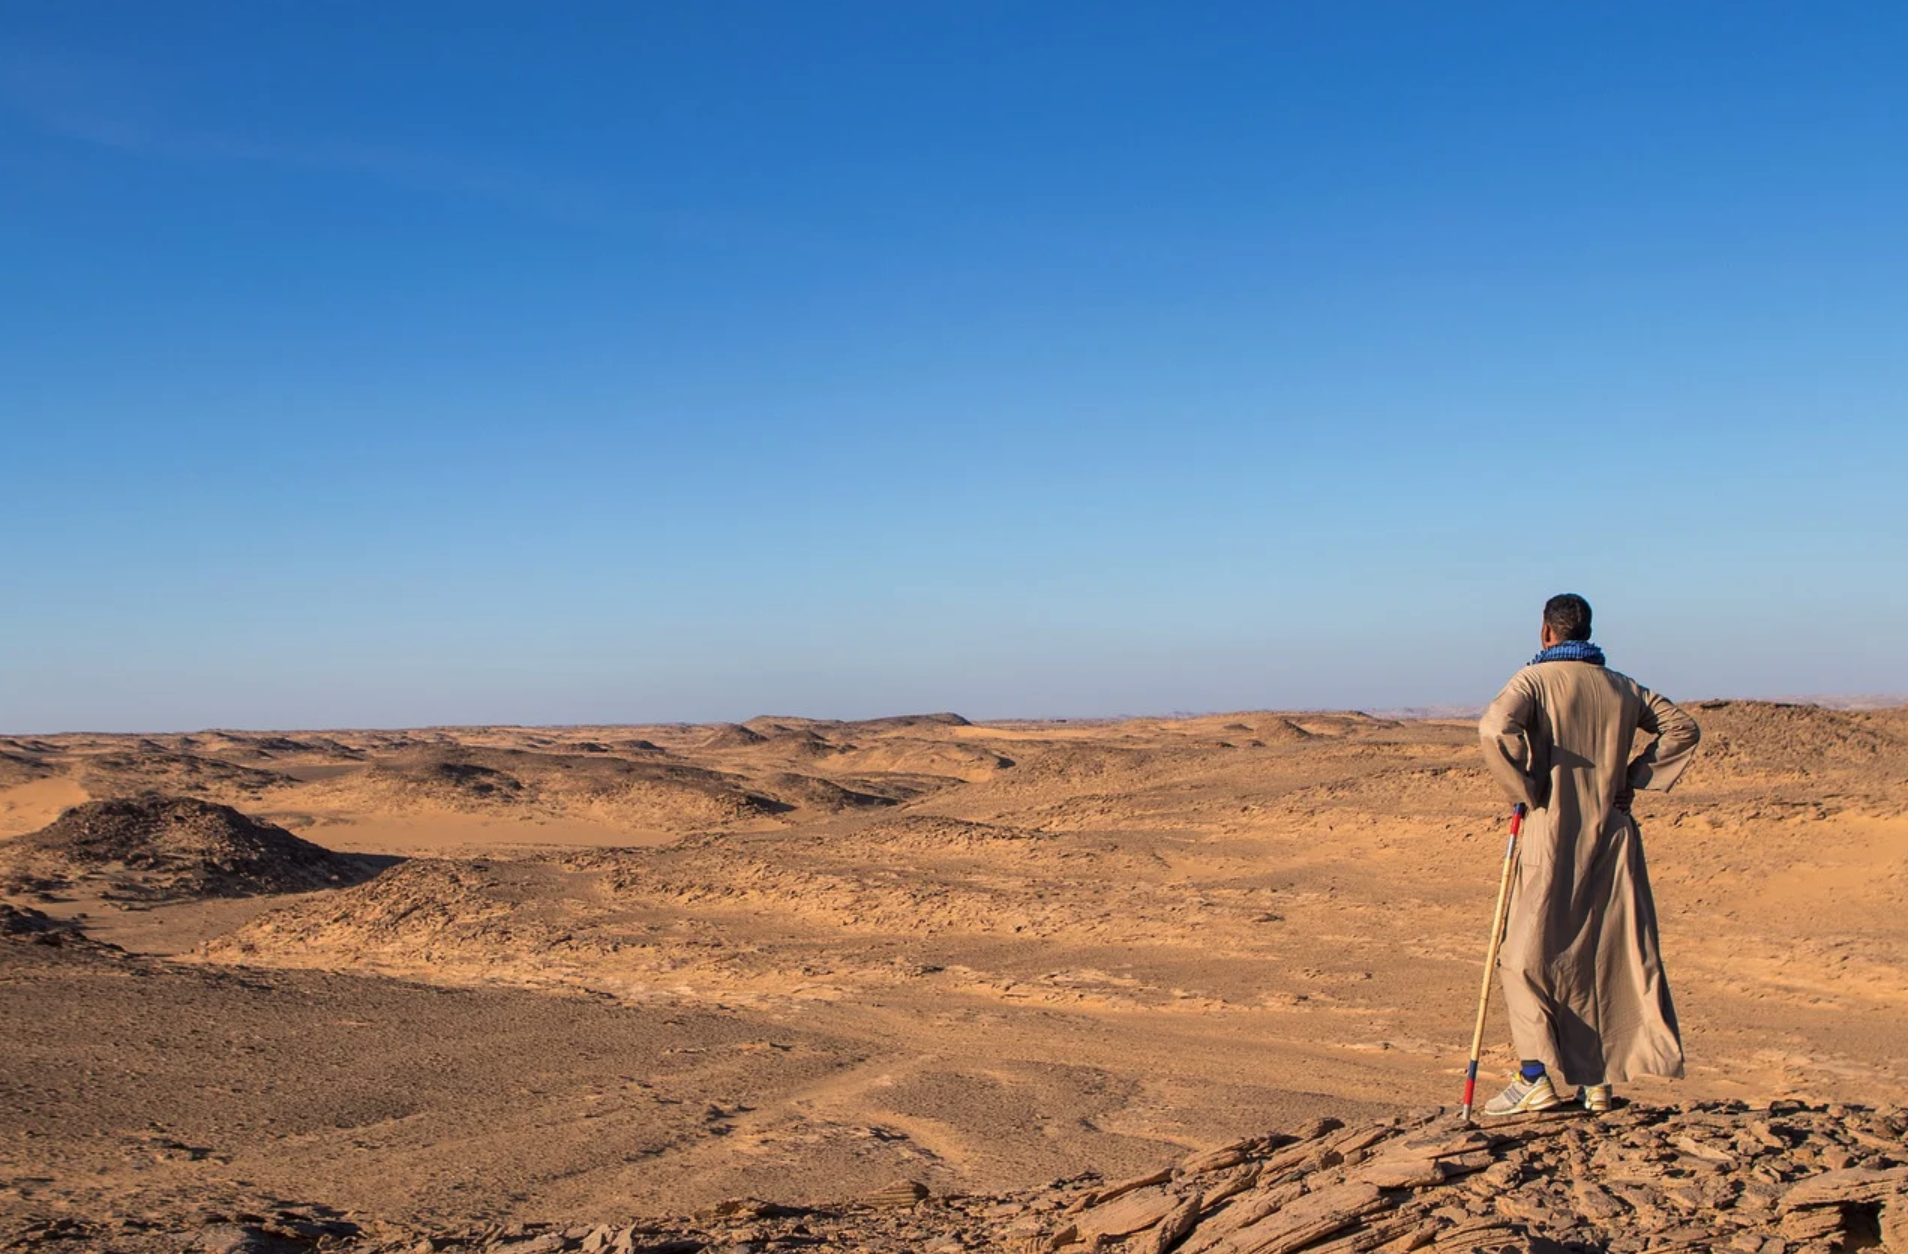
(914, 983)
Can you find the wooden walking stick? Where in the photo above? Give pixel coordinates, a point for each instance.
(1490, 957)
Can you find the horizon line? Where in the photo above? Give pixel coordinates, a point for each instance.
(1846, 702)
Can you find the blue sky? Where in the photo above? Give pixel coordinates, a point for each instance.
(369, 364)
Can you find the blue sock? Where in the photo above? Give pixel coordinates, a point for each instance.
(1533, 1071)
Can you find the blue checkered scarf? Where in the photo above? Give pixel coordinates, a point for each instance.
(1571, 651)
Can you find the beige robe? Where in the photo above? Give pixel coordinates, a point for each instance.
(1580, 964)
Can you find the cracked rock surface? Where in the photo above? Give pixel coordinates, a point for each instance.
(1789, 1178)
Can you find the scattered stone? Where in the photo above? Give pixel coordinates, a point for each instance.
(1650, 1182)
(228, 1238)
(900, 1193)
(1849, 1185)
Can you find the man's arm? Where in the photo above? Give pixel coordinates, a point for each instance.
(1669, 754)
(1504, 731)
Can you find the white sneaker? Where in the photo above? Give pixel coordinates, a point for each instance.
(1524, 1097)
(1595, 1098)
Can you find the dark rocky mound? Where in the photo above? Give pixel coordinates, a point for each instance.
(471, 777)
(164, 848)
(796, 736)
(266, 746)
(803, 743)
(396, 741)
(808, 792)
(939, 834)
(649, 789)
(21, 768)
(733, 736)
(326, 744)
(25, 925)
(769, 724)
(449, 777)
(902, 721)
(134, 772)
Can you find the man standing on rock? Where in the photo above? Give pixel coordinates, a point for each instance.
(1582, 973)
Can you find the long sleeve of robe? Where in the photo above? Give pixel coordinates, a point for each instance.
(1581, 966)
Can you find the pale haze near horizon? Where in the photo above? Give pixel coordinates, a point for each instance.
(375, 367)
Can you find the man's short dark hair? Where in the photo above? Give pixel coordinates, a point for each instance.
(1568, 616)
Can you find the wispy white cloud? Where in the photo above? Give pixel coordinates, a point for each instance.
(118, 107)
(85, 103)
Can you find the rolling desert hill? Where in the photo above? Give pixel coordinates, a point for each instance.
(169, 848)
(487, 987)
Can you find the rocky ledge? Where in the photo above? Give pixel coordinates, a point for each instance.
(1788, 1178)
